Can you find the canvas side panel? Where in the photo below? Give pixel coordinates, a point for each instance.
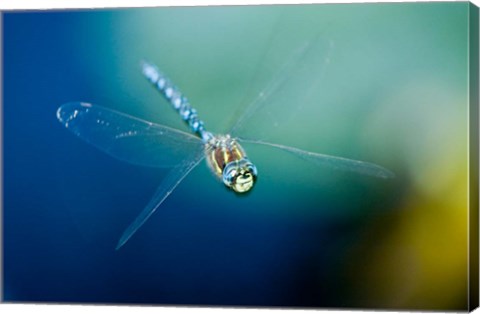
(474, 158)
(1, 156)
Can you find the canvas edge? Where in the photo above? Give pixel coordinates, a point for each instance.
(473, 79)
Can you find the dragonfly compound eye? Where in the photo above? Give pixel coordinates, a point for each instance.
(240, 175)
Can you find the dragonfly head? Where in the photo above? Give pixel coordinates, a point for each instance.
(240, 175)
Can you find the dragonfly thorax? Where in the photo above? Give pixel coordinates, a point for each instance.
(228, 161)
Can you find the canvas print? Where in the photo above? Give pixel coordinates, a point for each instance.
(298, 156)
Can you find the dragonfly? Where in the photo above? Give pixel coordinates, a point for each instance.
(145, 143)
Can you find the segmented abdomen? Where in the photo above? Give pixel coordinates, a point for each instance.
(173, 95)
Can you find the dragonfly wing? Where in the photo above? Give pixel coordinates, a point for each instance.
(335, 162)
(291, 88)
(125, 137)
(173, 179)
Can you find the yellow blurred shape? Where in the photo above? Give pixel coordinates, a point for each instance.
(416, 258)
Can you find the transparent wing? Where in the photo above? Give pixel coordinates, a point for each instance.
(127, 138)
(173, 179)
(290, 89)
(339, 163)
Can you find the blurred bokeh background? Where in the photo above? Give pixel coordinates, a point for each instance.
(389, 87)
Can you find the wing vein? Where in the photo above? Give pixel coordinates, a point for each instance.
(340, 163)
(168, 185)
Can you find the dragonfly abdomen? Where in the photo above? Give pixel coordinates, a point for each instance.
(178, 101)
